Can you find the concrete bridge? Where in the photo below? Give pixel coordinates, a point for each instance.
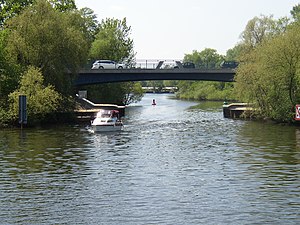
(89, 77)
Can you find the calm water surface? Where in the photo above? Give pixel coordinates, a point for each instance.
(171, 165)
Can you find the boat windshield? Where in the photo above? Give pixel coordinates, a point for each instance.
(107, 113)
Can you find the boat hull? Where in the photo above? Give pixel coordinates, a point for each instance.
(107, 128)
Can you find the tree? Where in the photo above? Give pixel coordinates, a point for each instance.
(204, 90)
(63, 5)
(271, 76)
(257, 29)
(194, 57)
(234, 53)
(12, 8)
(113, 42)
(9, 72)
(90, 23)
(120, 94)
(46, 38)
(41, 100)
(295, 12)
(207, 58)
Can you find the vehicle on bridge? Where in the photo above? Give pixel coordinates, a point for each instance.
(107, 64)
(229, 64)
(186, 65)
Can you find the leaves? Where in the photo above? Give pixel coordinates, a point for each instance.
(113, 41)
(47, 39)
(41, 99)
(270, 77)
(207, 58)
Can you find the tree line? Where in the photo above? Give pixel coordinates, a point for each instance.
(42, 39)
(268, 75)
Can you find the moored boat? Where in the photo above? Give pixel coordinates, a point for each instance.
(106, 121)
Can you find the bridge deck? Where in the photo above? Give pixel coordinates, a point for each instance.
(86, 77)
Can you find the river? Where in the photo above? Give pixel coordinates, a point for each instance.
(174, 163)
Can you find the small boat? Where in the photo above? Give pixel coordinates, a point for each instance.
(107, 120)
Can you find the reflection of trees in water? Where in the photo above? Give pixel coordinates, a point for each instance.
(269, 158)
(272, 142)
(41, 151)
(270, 155)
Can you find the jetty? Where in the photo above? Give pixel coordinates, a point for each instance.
(87, 110)
(237, 110)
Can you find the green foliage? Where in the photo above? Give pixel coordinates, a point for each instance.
(233, 53)
(116, 93)
(9, 72)
(41, 100)
(133, 92)
(270, 77)
(295, 12)
(63, 5)
(205, 90)
(257, 30)
(113, 41)
(11, 8)
(208, 58)
(47, 39)
(89, 24)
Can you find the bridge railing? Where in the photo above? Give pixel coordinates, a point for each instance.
(153, 63)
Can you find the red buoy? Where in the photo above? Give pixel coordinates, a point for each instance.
(153, 102)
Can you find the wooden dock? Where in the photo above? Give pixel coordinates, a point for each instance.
(237, 110)
(87, 110)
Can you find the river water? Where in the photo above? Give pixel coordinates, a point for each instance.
(174, 163)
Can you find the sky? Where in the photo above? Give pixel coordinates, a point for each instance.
(169, 29)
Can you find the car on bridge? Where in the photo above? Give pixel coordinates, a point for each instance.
(107, 64)
(229, 64)
(186, 65)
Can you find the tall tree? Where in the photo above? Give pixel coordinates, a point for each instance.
(257, 29)
(113, 42)
(271, 76)
(90, 23)
(12, 8)
(63, 5)
(45, 38)
(295, 12)
(207, 58)
(9, 71)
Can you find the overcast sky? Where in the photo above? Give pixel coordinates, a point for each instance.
(169, 29)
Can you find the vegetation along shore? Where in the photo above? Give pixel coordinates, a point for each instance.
(41, 39)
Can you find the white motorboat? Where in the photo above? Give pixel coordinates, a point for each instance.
(107, 120)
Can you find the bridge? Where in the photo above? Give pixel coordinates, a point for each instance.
(89, 77)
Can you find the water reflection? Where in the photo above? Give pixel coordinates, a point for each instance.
(172, 164)
(270, 143)
(270, 156)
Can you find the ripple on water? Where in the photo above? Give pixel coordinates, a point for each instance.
(170, 165)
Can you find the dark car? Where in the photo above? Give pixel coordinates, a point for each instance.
(229, 64)
(187, 65)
